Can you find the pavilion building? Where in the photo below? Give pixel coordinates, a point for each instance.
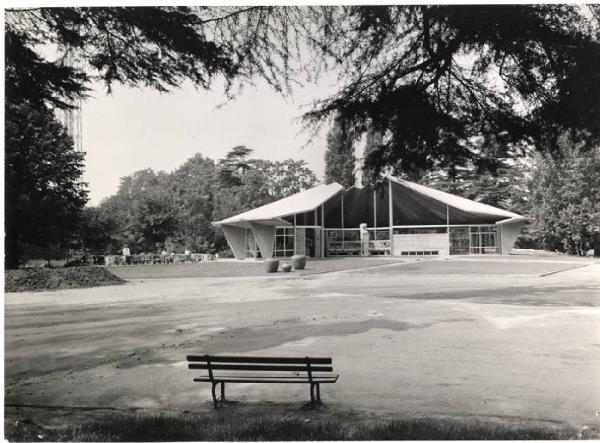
(402, 218)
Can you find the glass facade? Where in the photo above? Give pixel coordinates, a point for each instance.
(483, 239)
(463, 240)
(347, 241)
(426, 230)
(342, 242)
(459, 240)
(284, 242)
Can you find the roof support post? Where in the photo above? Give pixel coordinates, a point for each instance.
(342, 220)
(322, 230)
(375, 214)
(316, 216)
(448, 226)
(265, 237)
(391, 214)
(508, 235)
(236, 238)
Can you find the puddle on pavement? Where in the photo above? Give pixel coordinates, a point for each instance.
(304, 342)
(334, 294)
(252, 339)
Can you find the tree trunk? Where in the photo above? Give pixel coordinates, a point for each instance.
(12, 253)
(596, 244)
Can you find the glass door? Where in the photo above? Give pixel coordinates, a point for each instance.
(459, 241)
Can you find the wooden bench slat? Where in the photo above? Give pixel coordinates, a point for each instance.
(250, 367)
(261, 377)
(274, 360)
(267, 380)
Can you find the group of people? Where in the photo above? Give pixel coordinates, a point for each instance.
(165, 257)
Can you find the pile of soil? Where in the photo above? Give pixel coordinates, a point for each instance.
(40, 279)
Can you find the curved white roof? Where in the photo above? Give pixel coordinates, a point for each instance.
(457, 202)
(303, 201)
(309, 200)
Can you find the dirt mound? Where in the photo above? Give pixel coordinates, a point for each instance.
(40, 279)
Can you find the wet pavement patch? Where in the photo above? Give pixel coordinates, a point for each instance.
(471, 267)
(518, 295)
(269, 336)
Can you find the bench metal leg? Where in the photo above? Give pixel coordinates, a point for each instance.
(214, 395)
(315, 395)
(222, 391)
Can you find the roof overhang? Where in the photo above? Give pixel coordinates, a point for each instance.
(273, 213)
(460, 203)
(246, 223)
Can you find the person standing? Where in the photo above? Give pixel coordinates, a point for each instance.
(364, 240)
(126, 255)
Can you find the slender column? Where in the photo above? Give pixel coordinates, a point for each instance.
(470, 242)
(391, 214)
(295, 234)
(342, 221)
(448, 226)
(315, 232)
(323, 230)
(375, 214)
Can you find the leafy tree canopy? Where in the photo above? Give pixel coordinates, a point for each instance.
(427, 77)
(565, 198)
(175, 210)
(142, 46)
(430, 77)
(43, 192)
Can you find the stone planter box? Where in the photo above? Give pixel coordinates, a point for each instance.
(286, 268)
(299, 261)
(271, 264)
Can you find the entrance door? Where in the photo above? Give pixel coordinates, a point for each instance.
(459, 240)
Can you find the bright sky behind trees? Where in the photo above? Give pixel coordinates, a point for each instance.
(133, 129)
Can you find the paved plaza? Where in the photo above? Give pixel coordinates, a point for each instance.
(513, 338)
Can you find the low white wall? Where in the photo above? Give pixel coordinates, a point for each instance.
(421, 242)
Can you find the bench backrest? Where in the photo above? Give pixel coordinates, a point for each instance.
(240, 363)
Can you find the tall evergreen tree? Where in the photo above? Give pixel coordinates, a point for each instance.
(44, 194)
(430, 77)
(340, 161)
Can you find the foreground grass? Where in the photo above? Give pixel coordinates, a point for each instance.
(286, 427)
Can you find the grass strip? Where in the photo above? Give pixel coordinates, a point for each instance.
(286, 427)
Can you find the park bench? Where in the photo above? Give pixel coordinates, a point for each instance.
(231, 369)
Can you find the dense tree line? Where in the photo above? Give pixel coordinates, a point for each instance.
(558, 194)
(565, 202)
(155, 210)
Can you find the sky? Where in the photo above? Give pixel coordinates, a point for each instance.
(133, 129)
